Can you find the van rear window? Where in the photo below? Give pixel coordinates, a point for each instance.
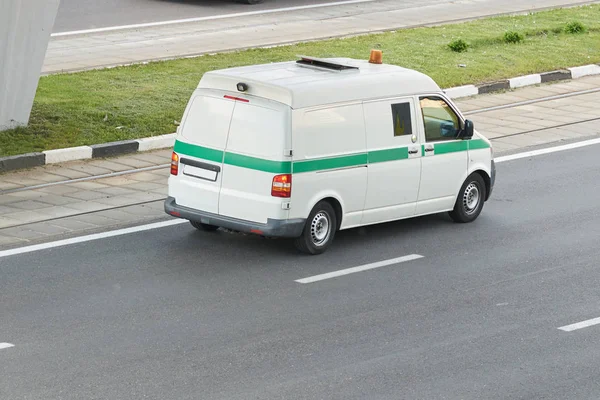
(207, 121)
(258, 130)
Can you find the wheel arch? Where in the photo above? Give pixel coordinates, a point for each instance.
(334, 200)
(480, 163)
(486, 179)
(484, 175)
(337, 207)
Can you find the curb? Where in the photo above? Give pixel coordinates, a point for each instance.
(166, 141)
(110, 149)
(522, 81)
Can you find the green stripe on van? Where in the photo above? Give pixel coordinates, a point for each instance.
(285, 167)
(450, 147)
(275, 167)
(238, 160)
(198, 151)
(457, 146)
(330, 163)
(476, 144)
(378, 156)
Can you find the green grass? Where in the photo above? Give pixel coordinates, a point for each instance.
(145, 100)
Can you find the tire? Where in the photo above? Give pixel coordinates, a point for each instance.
(319, 231)
(470, 200)
(204, 227)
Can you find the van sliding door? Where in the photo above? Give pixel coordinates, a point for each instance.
(394, 156)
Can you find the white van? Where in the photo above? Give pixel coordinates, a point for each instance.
(302, 149)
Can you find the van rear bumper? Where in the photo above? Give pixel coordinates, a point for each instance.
(291, 228)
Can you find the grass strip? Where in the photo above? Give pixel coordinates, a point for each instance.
(146, 100)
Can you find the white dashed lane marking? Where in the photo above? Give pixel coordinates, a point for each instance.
(361, 268)
(87, 238)
(6, 345)
(548, 150)
(580, 325)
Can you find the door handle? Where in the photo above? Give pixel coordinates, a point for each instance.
(428, 148)
(415, 151)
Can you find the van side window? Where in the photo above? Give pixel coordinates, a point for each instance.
(440, 121)
(401, 119)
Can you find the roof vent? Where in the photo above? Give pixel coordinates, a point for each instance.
(324, 64)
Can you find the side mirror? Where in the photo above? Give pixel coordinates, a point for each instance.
(467, 132)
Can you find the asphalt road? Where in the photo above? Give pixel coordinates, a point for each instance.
(74, 15)
(89, 14)
(178, 314)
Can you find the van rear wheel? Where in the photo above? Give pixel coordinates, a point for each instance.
(469, 202)
(319, 230)
(204, 227)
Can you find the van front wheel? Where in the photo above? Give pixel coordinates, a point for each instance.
(319, 230)
(470, 200)
(204, 227)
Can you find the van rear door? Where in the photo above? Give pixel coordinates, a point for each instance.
(200, 146)
(259, 134)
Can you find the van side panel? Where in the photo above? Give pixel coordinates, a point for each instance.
(480, 155)
(258, 135)
(200, 143)
(330, 160)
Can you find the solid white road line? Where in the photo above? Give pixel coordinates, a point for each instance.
(209, 18)
(580, 325)
(87, 238)
(548, 150)
(6, 345)
(361, 268)
(141, 228)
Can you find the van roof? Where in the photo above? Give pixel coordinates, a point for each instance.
(314, 81)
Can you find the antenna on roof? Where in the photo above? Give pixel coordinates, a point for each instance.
(323, 63)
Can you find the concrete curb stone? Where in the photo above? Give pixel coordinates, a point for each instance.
(166, 141)
(462, 91)
(157, 142)
(114, 148)
(527, 80)
(560, 75)
(22, 161)
(493, 87)
(68, 154)
(585, 70)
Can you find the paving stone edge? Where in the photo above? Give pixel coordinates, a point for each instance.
(111, 149)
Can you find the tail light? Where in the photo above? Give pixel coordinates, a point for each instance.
(282, 186)
(174, 164)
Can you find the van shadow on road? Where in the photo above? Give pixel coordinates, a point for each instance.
(403, 233)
